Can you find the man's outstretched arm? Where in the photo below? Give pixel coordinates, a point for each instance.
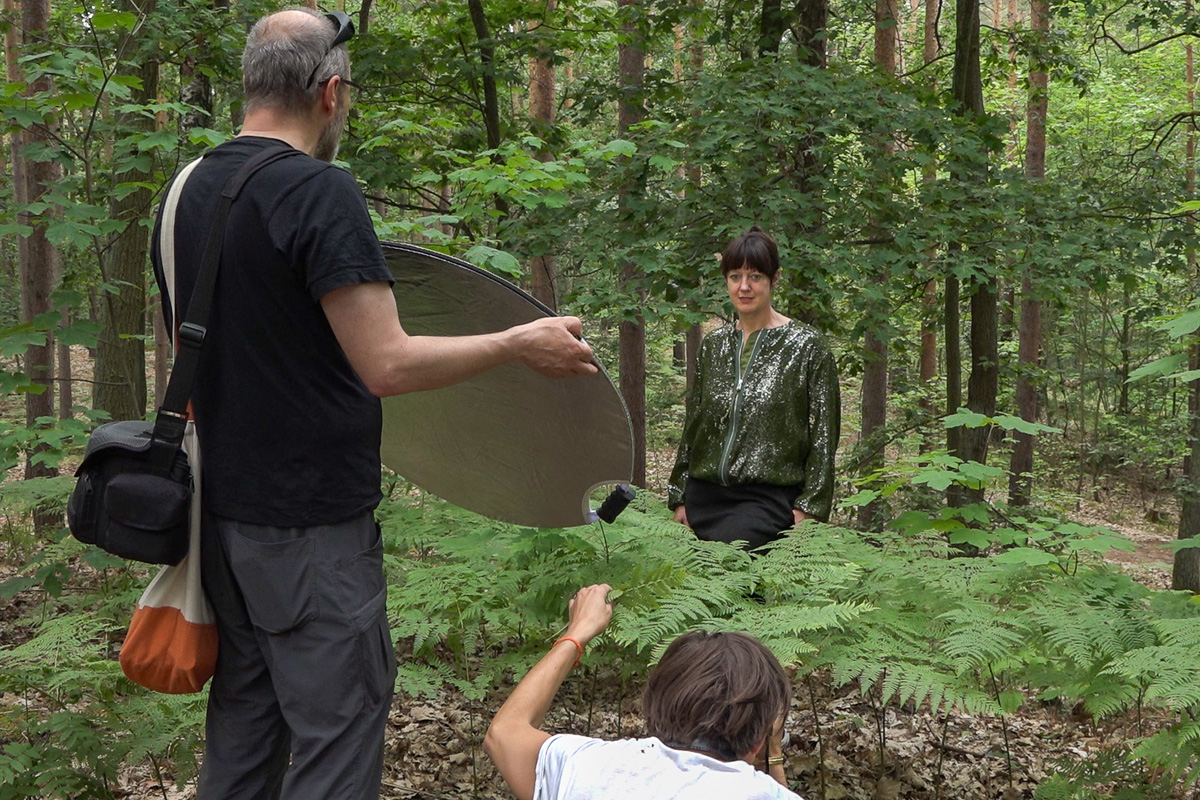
(515, 738)
(389, 361)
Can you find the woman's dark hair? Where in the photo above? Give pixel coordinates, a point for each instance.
(754, 249)
(719, 692)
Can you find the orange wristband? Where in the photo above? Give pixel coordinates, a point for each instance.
(574, 642)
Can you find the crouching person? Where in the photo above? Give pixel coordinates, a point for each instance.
(714, 706)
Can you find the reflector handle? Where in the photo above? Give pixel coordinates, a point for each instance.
(614, 504)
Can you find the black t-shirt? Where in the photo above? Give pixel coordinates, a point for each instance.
(289, 435)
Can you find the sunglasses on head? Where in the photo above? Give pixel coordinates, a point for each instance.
(345, 32)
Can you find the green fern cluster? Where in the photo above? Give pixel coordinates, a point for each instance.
(473, 603)
(81, 720)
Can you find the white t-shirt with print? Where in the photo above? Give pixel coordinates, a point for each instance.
(580, 768)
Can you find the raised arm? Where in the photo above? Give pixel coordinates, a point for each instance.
(389, 361)
(515, 738)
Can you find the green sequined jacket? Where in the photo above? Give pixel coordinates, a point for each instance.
(779, 424)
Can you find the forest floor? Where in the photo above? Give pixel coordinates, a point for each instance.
(433, 745)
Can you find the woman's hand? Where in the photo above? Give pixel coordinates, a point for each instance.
(798, 516)
(589, 612)
(681, 516)
(774, 752)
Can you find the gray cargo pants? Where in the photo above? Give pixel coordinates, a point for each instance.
(305, 669)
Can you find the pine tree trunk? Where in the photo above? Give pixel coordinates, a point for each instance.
(984, 378)
(967, 88)
(121, 354)
(952, 333)
(1126, 351)
(927, 368)
(812, 18)
(1186, 572)
(632, 338)
(1020, 486)
(875, 346)
(967, 91)
(66, 386)
(695, 175)
(38, 263)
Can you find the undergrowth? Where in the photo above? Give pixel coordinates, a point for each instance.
(901, 616)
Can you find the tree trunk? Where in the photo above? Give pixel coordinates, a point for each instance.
(66, 383)
(38, 262)
(927, 369)
(487, 59)
(886, 27)
(1020, 476)
(874, 410)
(541, 111)
(984, 378)
(982, 382)
(632, 340)
(197, 86)
(121, 354)
(491, 100)
(809, 31)
(770, 27)
(952, 333)
(875, 346)
(1126, 348)
(364, 18)
(1186, 573)
(927, 366)
(15, 75)
(967, 88)
(694, 335)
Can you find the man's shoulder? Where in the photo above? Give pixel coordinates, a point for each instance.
(300, 168)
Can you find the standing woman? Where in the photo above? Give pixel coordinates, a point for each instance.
(763, 417)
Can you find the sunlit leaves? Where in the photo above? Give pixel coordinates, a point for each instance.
(105, 20)
(494, 260)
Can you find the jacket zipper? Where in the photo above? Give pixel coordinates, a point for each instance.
(727, 450)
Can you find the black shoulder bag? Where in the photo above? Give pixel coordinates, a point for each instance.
(134, 488)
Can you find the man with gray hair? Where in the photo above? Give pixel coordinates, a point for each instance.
(303, 339)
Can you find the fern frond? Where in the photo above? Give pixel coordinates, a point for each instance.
(1166, 672)
(980, 636)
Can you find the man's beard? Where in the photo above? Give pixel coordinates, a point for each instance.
(331, 137)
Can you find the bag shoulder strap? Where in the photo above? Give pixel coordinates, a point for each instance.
(172, 417)
(166, 237)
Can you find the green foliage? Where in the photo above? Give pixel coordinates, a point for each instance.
(861, 228)
(894, 614)
(475, 603)
(81, 720)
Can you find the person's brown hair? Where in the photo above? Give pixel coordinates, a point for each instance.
(716, 692)
(754, 249)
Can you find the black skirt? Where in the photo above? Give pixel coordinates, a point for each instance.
(755, 513)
